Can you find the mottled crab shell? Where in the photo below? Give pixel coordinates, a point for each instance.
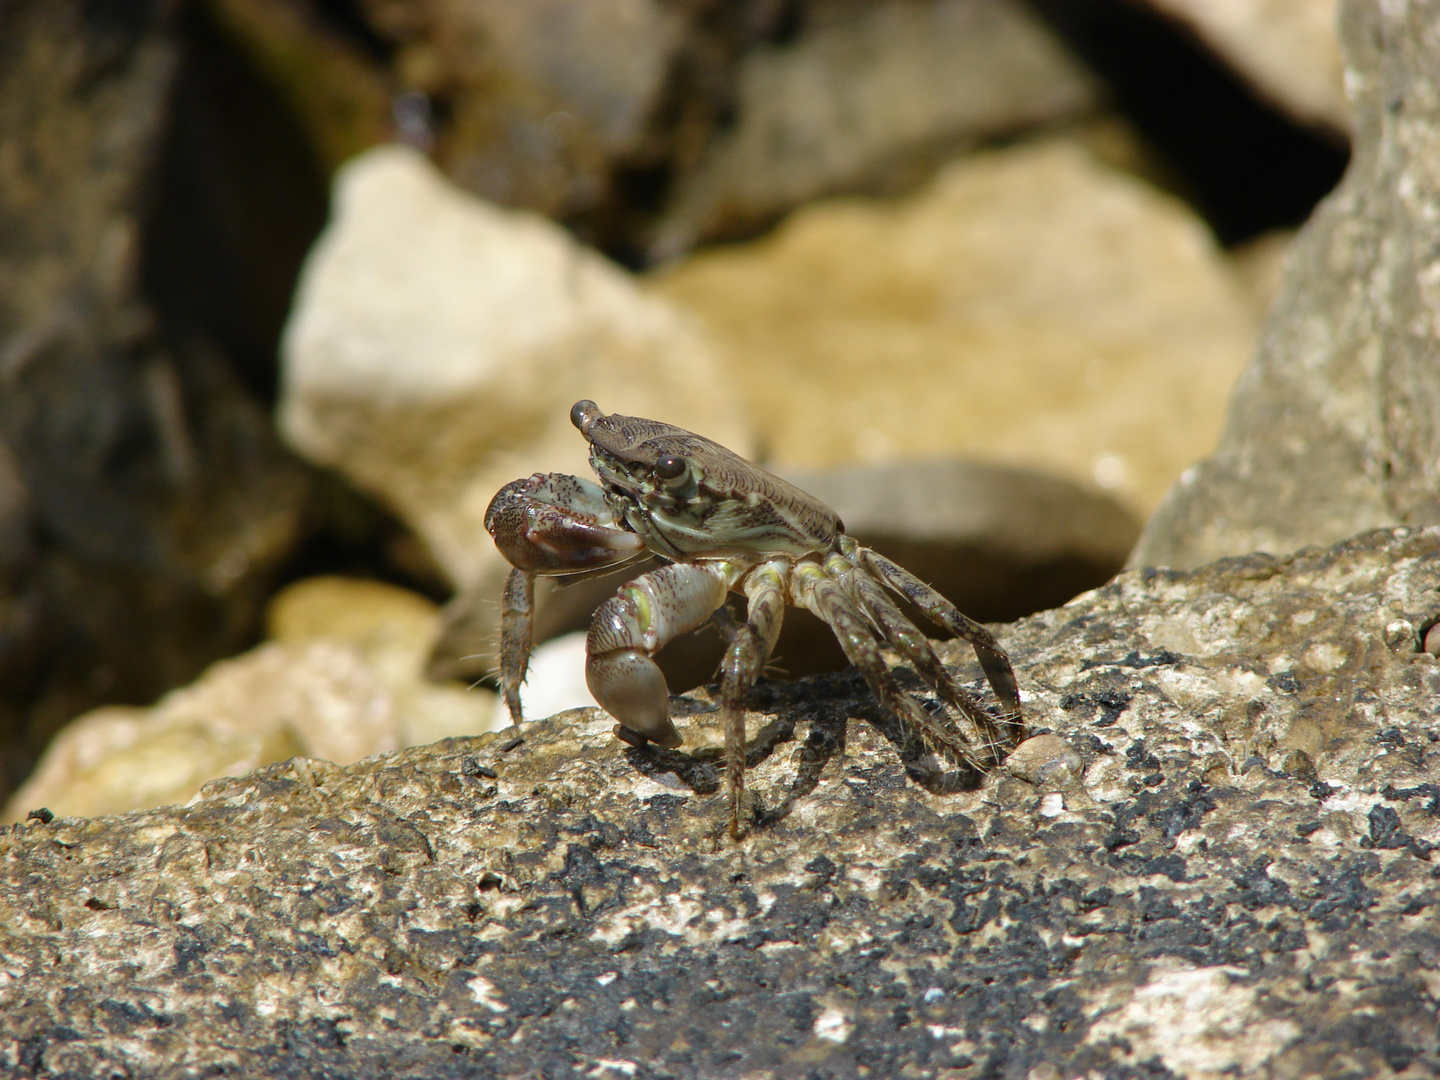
(717, 505)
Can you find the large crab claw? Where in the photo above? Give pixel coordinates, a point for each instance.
(551, 523)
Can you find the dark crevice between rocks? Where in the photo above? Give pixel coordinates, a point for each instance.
(1245, 166)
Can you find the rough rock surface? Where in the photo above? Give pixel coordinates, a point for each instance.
(1031, 307)
(1335, 425)
(438, 343)
(1221, 862)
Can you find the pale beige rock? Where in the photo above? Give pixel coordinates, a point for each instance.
(1289, 50)
(438, 343)
(1031, 307)
(239, 715)
(342, 683)
(394, 629)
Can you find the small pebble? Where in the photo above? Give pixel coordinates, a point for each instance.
(1044, 759)
(1400, 636)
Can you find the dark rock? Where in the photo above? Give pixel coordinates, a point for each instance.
(1335, 426)
(126, 565)
(1184, 907)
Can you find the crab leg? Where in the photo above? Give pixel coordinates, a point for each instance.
(750, 647)
(517, 621)
(635, 624)
(827, 599)
(993, 660)
(907, 640)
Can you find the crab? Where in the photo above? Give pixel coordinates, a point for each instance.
(723, 525)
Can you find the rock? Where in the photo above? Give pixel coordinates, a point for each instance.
(341, 682)
(871, 97)
(545, 105)
(438, 343)
(1243, 868)
(1288, 50)
(1031, 308)
(1335, 426)
(1045, 760)
(318, 699)
(129, 562)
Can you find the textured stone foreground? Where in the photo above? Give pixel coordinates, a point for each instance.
(1240, 879)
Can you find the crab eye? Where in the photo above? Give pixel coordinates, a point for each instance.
(582, 412)
(670, 468)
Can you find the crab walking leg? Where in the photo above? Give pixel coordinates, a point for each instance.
(993, 660)
(745, 658)
(905, 637)
(635, 624)
(517, 621)
(827, 599)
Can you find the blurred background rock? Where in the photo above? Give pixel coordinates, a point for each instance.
(843, 236)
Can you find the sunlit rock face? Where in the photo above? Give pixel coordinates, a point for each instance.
(1215, 854)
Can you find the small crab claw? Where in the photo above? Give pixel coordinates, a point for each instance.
(630, 628)
(552, 524)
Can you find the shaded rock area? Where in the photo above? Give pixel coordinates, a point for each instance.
(648, 126)
(871, 98)
(1335, 425)
(653, 125)
(1288, 49)
(1221, 862)
(126, 564)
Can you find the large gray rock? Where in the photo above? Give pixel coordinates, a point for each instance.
(1220, 862)
(1335, 426)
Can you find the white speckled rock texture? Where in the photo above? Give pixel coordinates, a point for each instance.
(1240, 879)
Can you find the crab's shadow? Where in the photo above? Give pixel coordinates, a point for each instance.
(825, 705)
